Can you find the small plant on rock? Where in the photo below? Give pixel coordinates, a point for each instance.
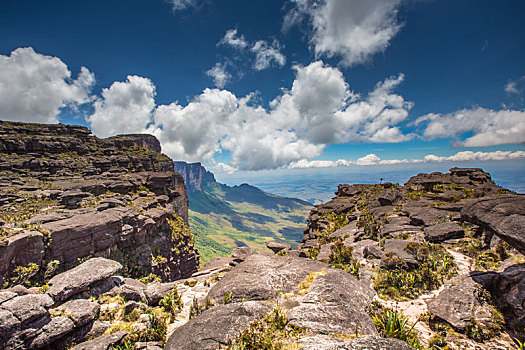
(270, 332)
(393, 324)
(172, 303)
(341, 258)
(400, 281)
(227, 298)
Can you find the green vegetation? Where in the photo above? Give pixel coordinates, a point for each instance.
(393, 324)
(155, 332)
(196, 309)
(370, 224)
(438, 341)
(521, 345)
(21, 210)
(24, 274)
(223, 217)
(341, 258)
(227, 298)
(401, 282)
(270, 332)
(486, 331)
(172, 304)
(484, 259)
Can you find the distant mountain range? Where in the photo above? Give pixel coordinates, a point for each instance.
(224, 217)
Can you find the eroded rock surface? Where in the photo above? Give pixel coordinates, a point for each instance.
(66, 195)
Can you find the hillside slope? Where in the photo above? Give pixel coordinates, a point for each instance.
(224, 217)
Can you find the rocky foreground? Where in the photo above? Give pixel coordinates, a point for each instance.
(435, 263)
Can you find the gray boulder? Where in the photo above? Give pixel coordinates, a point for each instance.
(462, 301)
(131, 289)
(441, 232)
(428, 216)
(57, 328)
(503, 215)
(81, 278)
(335, 304)
(104, 342)
(241, 253)
(28, 308)
(366, 342)
(397, 246)
(81, 311)
(156, 291)
(215, 326)
(274, 274)
(276, 247)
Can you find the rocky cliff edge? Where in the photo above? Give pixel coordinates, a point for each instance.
(66, 196)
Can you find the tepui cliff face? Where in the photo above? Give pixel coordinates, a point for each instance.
(195, 175)
(66, 196)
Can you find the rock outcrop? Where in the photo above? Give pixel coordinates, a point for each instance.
(503, 215)
(66, 195)
(194, 175)
(413, 240)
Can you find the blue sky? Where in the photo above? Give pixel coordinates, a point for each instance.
(258, 85)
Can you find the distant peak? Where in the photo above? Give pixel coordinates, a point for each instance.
(195, 175)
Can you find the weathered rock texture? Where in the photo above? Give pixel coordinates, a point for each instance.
(66, 195)
(195, 175)
(503, 215)
(435, 203)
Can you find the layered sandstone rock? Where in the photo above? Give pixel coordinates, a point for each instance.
(66, 195)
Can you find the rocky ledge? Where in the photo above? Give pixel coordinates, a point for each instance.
(66, 196)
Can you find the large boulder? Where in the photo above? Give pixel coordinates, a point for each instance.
(366, 342)
(335, 303)
(463, 301)
(83, 235)
(80, 311)
(82, 278)
(215, 326)
(21, 250)
(441, 232)
(28, 308)
(274, 274)
(428, 216)
(503, 215)
(276, 247)
(104, 342)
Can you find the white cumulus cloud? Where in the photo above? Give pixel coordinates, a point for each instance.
(179, 5)
(487, 127)
(372, 159)
(515, 86)
(231, 38)
(317, 110)
(353, 30)
(35, 87)
(219, 74)
(266, 54)
(125, 107)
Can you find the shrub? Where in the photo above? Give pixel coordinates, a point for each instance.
(341, 258)
(270, 332)
(172, 303)
(393, 324)
(196, 309)
(401, 282)
(24, 273)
